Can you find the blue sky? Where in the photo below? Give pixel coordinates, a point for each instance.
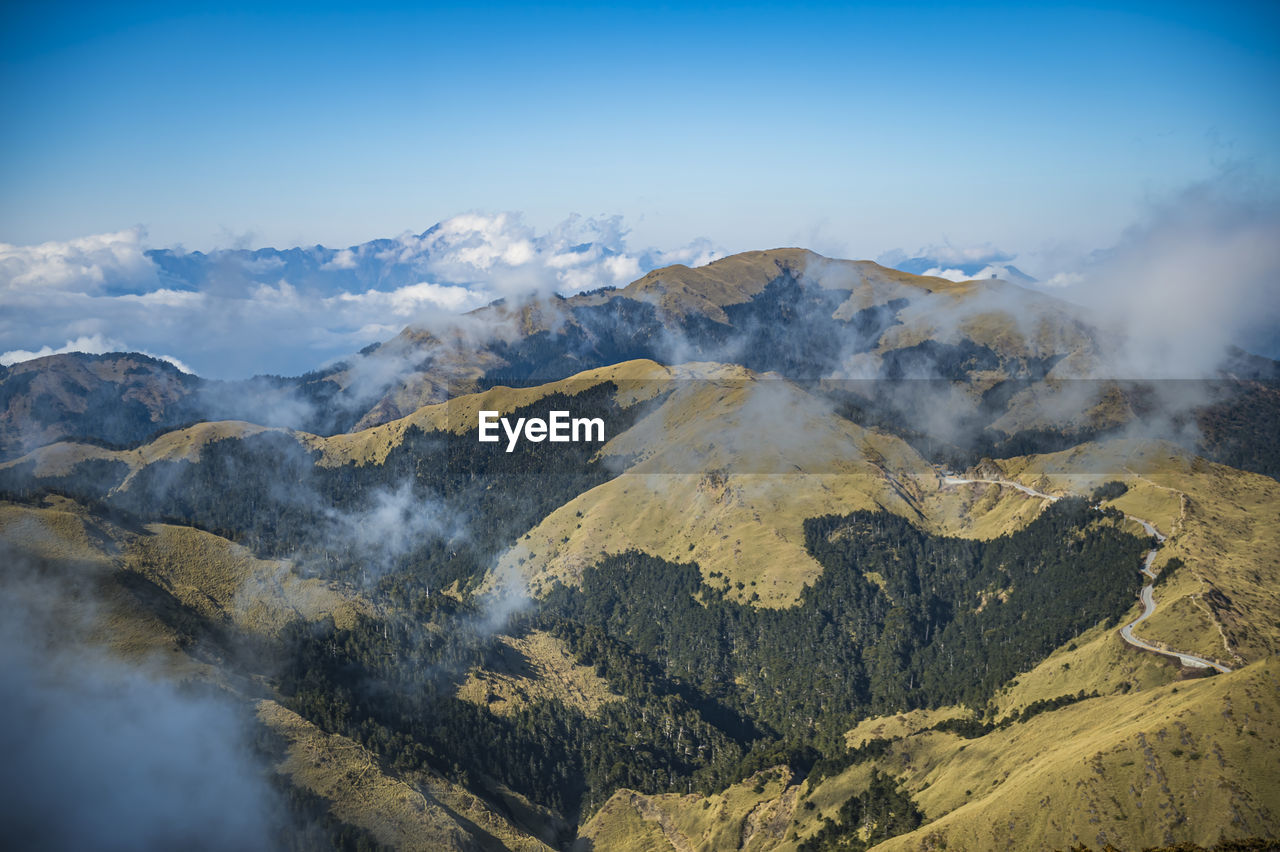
(851, 128)
(1049, 136)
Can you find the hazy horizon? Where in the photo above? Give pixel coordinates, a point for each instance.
(1053, 139)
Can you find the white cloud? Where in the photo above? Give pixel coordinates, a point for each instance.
(94, 345)
(90, 345)
(1199, 273)
(949, 274)
(345, 259)
(86, 264)
(240, 321)
(1064, 279)
(183, 299)
(414, 299)
(991, 270)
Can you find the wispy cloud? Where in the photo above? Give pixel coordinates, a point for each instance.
(1198, 273)
(94, 344)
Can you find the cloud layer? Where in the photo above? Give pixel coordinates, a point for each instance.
(233, 313)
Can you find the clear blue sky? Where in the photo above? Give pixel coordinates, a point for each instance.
(853, 128)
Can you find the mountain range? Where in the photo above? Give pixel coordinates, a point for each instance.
(847, 571)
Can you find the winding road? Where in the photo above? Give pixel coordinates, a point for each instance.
(1148, 595)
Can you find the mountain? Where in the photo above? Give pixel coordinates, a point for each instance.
(1014, 370)
(118, 399)
(786, 310)
(847, 568)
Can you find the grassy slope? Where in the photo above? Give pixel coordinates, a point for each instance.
(87, 570)
(223, 581)
(637, 380)
(214, 577)
(424, 813)
(178, 445)
(536, 666)
(901, 724)
(1166, 760)
(726, 472)
(80, 575)
(1184, 761)
(1225, 603)
(752, 815)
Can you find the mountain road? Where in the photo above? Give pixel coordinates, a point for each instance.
(1147, 594)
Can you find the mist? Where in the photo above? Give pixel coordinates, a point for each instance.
(1199, 274)
(104, 754)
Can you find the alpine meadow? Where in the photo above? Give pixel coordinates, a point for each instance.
(512, 535)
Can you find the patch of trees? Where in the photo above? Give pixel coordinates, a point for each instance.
(881, 811)
(1246, 844)
(971, 728)
(1109, 491)
(955, 619)
(1167, 571)
(269, 492)
(391, 685)
(1235, 431)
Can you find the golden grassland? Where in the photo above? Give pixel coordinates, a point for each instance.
(752, 815)
(424, 813)
(901, 724)
(1224, 524)
(637, 380)
(213, 577)
(1184, 761)
(724, 473)
(535, 667)
(223, 581)
(178, 445)
(978, 511)
(747, 528)
(64, 569)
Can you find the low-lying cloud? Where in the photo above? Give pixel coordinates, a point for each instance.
(233, 313)
(94, 344)
(90, 264)
(104, 754)
(1198, 274)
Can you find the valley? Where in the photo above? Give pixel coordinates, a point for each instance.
(856, 559)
